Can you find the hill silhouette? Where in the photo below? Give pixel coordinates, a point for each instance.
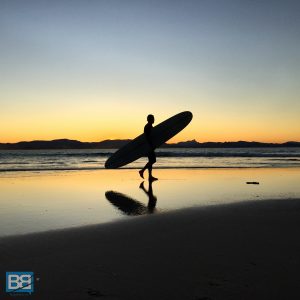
(115, 144)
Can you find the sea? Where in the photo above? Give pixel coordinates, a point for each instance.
(93, 159)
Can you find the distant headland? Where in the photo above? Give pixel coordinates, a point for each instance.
(115, 144)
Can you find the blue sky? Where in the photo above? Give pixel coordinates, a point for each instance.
(77, 69)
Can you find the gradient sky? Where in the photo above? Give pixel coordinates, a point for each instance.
(92, 69)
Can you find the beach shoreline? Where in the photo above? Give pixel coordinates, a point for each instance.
(37, 202)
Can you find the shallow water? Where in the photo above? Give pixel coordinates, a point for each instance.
(91, 159)
(40, 201)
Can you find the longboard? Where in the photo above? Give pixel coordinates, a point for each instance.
(139, 147)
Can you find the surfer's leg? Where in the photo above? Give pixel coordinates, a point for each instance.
(151, 178)
(152, 160)
(141, 172)
(150, 170)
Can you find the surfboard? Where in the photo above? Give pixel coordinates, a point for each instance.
(139, 147)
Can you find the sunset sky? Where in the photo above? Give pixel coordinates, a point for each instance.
(93, 69)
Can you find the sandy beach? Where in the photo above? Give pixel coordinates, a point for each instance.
(246, 250)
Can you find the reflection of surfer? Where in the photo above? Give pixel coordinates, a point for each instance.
(152, 199)
(151, 154)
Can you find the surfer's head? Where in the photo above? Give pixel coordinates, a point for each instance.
(150, 119)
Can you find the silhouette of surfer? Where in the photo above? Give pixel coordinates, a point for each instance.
(151, 154)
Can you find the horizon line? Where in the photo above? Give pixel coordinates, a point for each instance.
(193, 140)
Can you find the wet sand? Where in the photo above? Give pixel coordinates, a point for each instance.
(246, 250)
(37, 202)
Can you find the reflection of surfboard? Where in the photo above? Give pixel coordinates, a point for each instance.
(126, 204)
(139, 146)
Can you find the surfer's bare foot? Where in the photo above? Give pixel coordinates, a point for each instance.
(151, 178)
(141, 173)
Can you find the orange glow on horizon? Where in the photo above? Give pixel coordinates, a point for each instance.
(87, 125)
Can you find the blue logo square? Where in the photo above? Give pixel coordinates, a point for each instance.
(19, 282)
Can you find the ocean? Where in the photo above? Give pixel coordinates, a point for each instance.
(93, 159)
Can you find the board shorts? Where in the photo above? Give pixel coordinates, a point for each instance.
(152, 157)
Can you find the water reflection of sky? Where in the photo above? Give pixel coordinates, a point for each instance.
(43, 201)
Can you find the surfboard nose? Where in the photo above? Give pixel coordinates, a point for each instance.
(188, 114)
